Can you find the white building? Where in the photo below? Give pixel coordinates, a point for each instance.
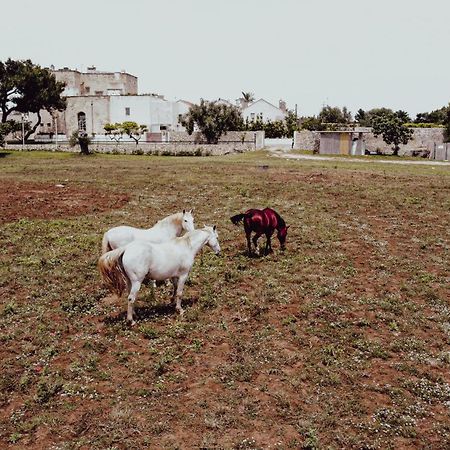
(263, 109)
(95, 98)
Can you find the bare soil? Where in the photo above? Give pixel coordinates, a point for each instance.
(51, 201)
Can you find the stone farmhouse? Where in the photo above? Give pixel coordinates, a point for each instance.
(95, 98)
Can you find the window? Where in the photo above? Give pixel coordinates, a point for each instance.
(127, 111)
(162, 127)
(49, 124)
(252, 116)
(98, 92)
(87, 89)
(81, 121)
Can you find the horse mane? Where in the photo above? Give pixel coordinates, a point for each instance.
(175, 218)
(280, 220)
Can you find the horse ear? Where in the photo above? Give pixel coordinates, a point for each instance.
(214, 228)
(288, 227)
(192, 210)
(184, 211)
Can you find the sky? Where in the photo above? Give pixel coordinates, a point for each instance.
(354, 53)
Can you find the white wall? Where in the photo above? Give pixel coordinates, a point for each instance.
(145, 110)
(268, 111)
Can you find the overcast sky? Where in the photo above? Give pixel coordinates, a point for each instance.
(357, 53)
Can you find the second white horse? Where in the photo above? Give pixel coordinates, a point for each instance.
(125, 268)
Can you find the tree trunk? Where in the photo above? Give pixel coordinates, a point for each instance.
(32, 130)
(84, 148)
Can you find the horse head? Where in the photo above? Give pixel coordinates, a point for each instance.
(187, 221)
(281, 235)
(213, 240)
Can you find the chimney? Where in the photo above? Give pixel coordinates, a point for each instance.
(282, 105)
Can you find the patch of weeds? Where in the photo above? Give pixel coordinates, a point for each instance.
(289, 320)
(330, 355)
(196, 345)
(407, 344)
(247, 444)
(148, 331)
(391, 421)
(9, 309)
(208, 300)
(46, 390)
(162, 364)
(15, 437)
(310, 439)
(238, 371)
(82, 302)
(429, 391)
(370, 349)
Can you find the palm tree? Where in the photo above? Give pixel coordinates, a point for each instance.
(248, 97)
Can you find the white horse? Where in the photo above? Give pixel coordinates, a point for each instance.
(126, 267)
(165, 229)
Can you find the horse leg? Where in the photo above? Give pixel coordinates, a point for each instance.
(268, 243)
(249, 244)
(180, 285)
(135, 286)
(174, 284)
(255, 240)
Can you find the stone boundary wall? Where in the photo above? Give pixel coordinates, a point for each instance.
(306, 140)
(243, 137)
(423, 139)
(145, 148)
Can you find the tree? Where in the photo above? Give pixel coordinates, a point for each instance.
(291, 122)
(82, 139)
(212, 119)
(403, 116)
(438, 116)
(275, 129)
(360, 116)
(365, 118)
(312, 123)
(447, 126)
(113, 131)
(28, 88)
(392, 130)
(131, 129)
(248, 97)
(334, 114)
(10, 126)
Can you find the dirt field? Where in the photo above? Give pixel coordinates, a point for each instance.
(342, 341)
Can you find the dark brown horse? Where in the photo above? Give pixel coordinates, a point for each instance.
(262, 221)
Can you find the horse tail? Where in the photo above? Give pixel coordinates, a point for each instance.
(237, 218)
(112, 271)
(105, 244)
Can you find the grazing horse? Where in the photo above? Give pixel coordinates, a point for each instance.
(262, 221)
(165, 229)
(126, 267)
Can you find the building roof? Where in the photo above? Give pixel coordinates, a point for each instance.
(93, 72)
